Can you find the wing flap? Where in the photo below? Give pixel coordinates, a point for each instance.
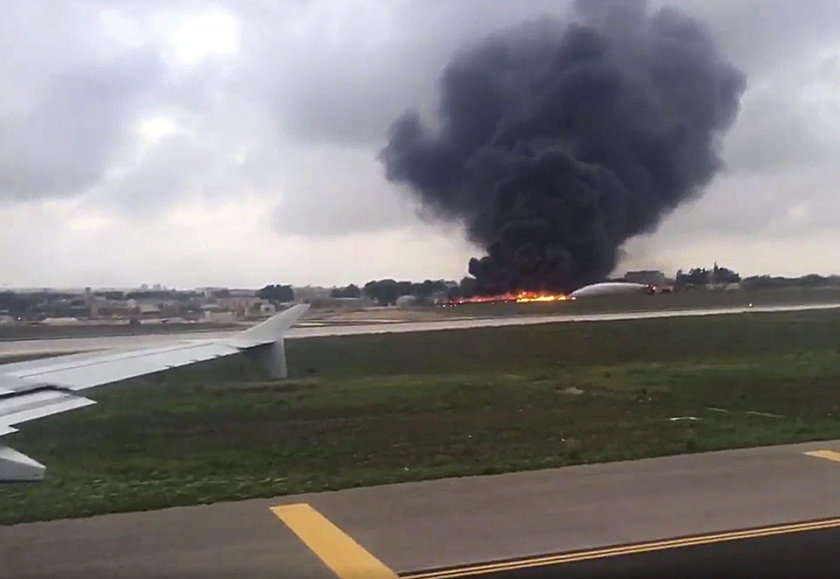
(270, 330)
(17, 467)
(113, 367)
(39, 388)
(37, 404)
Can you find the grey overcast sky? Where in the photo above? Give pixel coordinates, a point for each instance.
(234, 142)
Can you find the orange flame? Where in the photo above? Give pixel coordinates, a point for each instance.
(529, 297)
(521, 297)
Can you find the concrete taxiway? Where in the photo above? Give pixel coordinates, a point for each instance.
(56, 345)
(678, 515)
(769, 553)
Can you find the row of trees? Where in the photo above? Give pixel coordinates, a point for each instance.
(276, 293)
(38, 304)
(383, 292)
(702, 277)
(386, 292)
(351, 291)
(811, 280)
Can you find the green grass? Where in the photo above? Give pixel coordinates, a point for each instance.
(375, 409)
(642, 302)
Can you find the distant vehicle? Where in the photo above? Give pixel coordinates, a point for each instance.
(611, 288)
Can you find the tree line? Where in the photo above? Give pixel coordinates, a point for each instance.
(811, 280)
(386, 292)
(383, 292)
(702, 277)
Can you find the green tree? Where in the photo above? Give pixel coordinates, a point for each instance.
(276, 293)
(351, 291)
(386, 291)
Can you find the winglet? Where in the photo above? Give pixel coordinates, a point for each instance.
(266, 340)
(270, 330)
(17, 467)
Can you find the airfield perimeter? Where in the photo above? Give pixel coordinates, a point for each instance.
(729, 514)
(26, 347)
(373, 409)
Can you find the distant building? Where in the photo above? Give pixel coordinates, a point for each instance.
(217, 317)
(240, 306)
(242, 293)
(210, 292)
(647, 277)
(214, 314)
(308, 293)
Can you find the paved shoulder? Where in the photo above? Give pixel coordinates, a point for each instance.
(414, 528)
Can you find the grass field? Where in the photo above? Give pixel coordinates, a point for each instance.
(641, 302)
(376, 409)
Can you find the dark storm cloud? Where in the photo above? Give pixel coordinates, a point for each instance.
(767, 37)
(350, 84)
(69, 138)
(351, 197)
(781, 46)
(314, 87)
(347, 88)
(559, 142)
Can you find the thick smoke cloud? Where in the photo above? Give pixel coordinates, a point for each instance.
(555, 143)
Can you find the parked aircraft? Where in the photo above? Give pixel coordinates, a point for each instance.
(610, 288)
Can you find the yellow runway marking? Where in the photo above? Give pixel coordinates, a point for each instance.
(625, 550)
(826, 454)
(344, 556)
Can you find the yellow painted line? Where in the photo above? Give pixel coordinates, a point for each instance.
(826, 454)
(344, 556)
(625, 550)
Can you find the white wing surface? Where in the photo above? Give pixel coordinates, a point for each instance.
(39, 388)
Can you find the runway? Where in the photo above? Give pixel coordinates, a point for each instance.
(809, 553)
(764, 512)
(51, 346)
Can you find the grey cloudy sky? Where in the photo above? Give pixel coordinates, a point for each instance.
(234, 142)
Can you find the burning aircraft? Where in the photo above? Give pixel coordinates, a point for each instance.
(611, 288)
(556, 141)
(521, 297)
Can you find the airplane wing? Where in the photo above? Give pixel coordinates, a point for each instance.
(39, 388)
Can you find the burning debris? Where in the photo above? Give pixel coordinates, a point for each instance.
(521, 297)
(555, 142)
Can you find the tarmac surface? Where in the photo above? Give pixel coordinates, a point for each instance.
(783, 556)
(57, 345)
(739, 513)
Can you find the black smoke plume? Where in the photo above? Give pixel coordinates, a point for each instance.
(555, 143)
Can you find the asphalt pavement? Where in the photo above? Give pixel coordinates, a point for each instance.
(740, 498)
(58, 345)
(550, 523)
(810, 554)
